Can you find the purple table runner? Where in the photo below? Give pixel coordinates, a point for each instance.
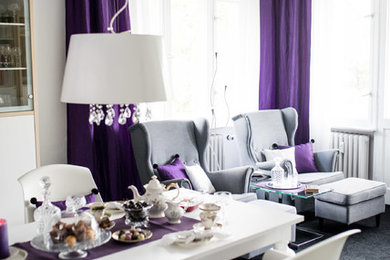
(159, 227)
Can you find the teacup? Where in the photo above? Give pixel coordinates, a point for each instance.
(208, 214)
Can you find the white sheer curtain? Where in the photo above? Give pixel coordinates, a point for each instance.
(341, 67)
(193, 30)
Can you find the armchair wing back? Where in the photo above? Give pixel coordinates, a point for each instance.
(259, 130)
(156, 142)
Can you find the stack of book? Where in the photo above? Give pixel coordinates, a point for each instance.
(312, 188)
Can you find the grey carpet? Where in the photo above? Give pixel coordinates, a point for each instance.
(371, 244)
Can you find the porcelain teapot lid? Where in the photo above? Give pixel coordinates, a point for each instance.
(154, 184)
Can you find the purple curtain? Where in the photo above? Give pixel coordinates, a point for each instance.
(106, 151)
(285, 27)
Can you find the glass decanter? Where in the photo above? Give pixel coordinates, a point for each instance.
(291, 174)
(277, 174)
(46, 213)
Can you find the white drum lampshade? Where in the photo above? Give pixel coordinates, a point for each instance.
(111, 69)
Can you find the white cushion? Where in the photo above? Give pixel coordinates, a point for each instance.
(199, 179)
(282, 154)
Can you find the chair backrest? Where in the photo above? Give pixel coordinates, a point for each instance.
(261, 129)
(157, 142)
(329, 249)
(65, 180)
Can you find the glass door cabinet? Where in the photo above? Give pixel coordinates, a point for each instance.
(16, 92)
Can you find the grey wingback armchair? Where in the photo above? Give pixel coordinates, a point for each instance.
(156, 142)
(259, 130)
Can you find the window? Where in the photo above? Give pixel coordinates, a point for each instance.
(386, 99)
(342, 66)
(194, 30)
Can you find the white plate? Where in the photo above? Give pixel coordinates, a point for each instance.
(194, 243)
(180, 239)
(271, 185)
(16, 254)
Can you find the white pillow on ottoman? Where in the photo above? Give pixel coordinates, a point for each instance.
(199, 179)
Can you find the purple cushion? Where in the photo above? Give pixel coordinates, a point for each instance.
(304, 157)
(61, 204)
(174, 170)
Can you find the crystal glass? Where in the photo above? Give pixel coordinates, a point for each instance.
(223, 199)
(46, 213)
(74, 203)
(137, 213)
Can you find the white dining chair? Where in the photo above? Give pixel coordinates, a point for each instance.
(65, 180)
(329, 249)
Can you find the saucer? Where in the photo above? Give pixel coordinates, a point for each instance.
(189, 239)
(16, 254)
(199, 226)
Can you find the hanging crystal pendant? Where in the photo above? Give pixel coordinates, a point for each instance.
(100, 113)
(109, 120)
(127, 111)
(110, 115)
(136, 114)
(110, 111)
(148, 113)
(122, 118)
(96, 114)
(92, 114)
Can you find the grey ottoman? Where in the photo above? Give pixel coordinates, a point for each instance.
(351, 200)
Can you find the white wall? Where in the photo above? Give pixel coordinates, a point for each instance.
(49, 37)
(17, 156)
(17, 134)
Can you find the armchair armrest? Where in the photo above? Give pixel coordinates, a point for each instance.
(326, 161)
(183, 183)
(264, 168)
(235, 180)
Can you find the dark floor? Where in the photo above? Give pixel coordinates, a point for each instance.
(372, 243)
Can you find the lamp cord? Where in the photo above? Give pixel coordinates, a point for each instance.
(227, 107)
(212, 94)
(111, 28)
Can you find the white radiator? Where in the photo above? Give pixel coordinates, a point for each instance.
(214, 152)
(355, 151)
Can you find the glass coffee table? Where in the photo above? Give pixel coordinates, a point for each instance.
(265, 190)
(299, 192)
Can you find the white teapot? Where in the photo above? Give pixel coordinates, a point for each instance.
(154, 195)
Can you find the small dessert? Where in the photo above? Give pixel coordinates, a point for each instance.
(70, 240)
(72, 233)
(90, 233)
(105, 222)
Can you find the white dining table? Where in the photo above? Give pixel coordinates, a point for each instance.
(250, 227)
